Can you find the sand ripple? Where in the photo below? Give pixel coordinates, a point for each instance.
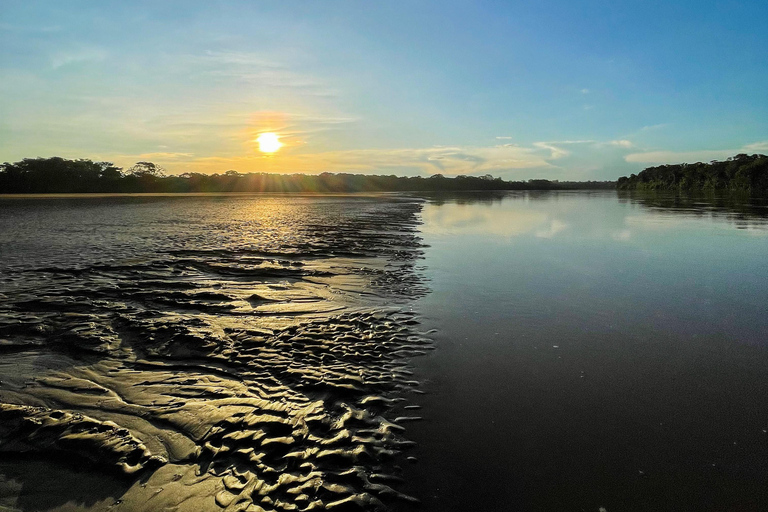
(259, 372)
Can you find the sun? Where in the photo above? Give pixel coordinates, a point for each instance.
(269, 142)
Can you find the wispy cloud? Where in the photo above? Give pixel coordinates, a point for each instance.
(555, 151)
(420, 161)
(756, 146)
(166, 156)
(255, 70)
(653, 127)
(567, 159)
(63, 58)
(244, 59)
(672, 157)
(512, 161)
(552, 159)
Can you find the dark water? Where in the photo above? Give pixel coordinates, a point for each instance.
(276, 353)
(595, 351)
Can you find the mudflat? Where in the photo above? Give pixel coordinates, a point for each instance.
(207, 353)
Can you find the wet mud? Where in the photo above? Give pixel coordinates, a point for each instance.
(247, 353)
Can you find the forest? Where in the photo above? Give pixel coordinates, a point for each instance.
(58, 175)
(743, 173)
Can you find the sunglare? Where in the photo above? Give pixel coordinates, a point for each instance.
(269, 142)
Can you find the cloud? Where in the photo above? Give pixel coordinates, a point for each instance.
(76, 56)
(555, 152)
(587, 159)
(229, 144)
(165, 156)
(451, 160)
(253, 70)
(563, 160)
(550, 160)
(237, 59)
(314, 123)
(566, 159)
(674, 157)
(756, 146)
(653, 127)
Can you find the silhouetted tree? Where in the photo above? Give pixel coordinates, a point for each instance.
(747, 173)
(142, 169)
(53, 175)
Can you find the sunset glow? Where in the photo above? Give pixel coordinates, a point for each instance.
(398, 256)
(528, 91)
(269, 142)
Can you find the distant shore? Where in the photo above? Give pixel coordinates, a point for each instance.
(742, 173)
(61, 176)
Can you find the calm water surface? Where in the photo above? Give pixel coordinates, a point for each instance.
(595, 351)
(545, 351)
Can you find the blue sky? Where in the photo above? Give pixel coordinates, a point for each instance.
(563, 90)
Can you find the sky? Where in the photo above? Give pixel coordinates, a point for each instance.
(556, 89)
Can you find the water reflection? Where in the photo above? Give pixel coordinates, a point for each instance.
(519, 214)
(552, 214)
(594, 351)
(744, 212)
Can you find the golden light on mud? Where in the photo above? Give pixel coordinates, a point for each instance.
(269, 142)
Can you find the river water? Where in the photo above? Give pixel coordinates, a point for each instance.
(494, 351)
(594, 350)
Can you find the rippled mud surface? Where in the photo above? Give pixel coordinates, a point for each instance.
(207, 353)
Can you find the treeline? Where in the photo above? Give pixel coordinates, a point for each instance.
(744, 173)
(59, 175)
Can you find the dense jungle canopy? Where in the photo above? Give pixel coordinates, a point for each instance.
(745, 173)
(59, 175)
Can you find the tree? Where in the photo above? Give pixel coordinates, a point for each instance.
(146, 169)
(109, 171)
